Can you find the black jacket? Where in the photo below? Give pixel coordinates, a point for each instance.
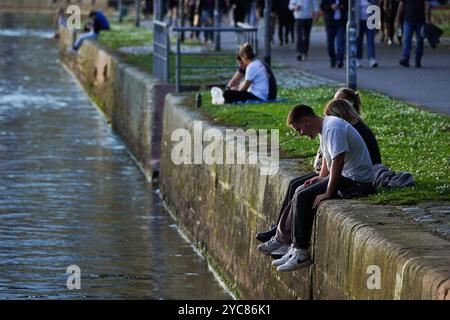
(328, 13)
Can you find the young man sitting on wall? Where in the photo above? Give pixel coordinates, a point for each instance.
(98, 22)
(346, 164)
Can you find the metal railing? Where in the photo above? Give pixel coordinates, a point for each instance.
(161, 50)
(243, 34)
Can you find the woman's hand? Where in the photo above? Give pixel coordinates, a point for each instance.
(311, 181)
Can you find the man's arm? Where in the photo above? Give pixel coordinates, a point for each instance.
(336, 170)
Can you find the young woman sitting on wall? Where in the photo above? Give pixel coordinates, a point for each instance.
(259, 82)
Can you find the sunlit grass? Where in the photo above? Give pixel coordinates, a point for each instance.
(410, 139)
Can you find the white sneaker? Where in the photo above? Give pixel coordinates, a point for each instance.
(359, 63)
(284, 258)
(373, 63)
(281, 251)
(300, 259)
(269, 246)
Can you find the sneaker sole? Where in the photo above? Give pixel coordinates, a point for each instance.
(304, 264)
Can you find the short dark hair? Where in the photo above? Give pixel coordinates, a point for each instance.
(298, 112)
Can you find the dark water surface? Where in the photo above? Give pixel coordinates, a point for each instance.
(70, 194)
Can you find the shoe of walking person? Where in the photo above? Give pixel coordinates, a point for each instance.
(404, 62)
(304, 57)
(300, 259)
(266, 235)
(268, 247)
(284, 259)
(340, 65)
(359, 63)
(373, 63)
(299, 57)
(418, 63)
(281, 251)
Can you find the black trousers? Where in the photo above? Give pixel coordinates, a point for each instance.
(293, 185)
(303, 214)
(231, 96)
(303, 29)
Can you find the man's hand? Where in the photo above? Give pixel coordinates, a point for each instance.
(334, 6)
(297, 7)
(320, 198)
(311, 181)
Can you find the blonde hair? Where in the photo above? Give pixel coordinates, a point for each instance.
(246, 51)
(341, 108)
(352, 97)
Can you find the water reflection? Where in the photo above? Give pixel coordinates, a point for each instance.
(70, 193)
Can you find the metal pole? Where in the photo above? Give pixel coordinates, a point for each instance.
(181, 17)
(178, 64)
(120, 8)
(137, 4)
(160, 13)
(351, 44)
(217, 23)
(267, 31)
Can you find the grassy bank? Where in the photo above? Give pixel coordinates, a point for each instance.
(410, 139)
(441, 17)
(125, 34)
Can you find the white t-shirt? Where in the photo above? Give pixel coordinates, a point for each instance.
(256, 73)
(338, 136)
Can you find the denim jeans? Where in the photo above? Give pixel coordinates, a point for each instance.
(370, 34)
(85, 36)
(336, 40)
(408, 29)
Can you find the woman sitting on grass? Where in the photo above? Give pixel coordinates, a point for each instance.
(348, 107)
(258, 79)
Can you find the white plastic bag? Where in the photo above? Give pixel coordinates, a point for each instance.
(217, 96)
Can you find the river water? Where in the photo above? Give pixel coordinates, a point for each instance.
(70, 194)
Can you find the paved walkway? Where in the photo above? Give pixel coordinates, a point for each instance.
(428, 87)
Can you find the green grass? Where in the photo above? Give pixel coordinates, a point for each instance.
(442, 19)
(410, 139)
(125, 34)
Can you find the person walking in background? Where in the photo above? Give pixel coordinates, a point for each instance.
(207, 14)
(285, 20)
(415, 14)
(335, 17)
(390, 8)
(304, 12)
(370, 35)
(241, 9)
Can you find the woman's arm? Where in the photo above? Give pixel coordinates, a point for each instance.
(234, 82)
(245, 85)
